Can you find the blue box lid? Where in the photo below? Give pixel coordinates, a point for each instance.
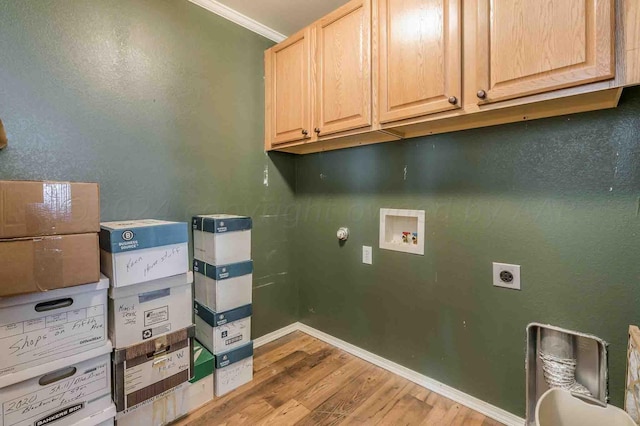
(231, 357)
(216, 319)
(219, 223)
(116, 237)
(223, 272)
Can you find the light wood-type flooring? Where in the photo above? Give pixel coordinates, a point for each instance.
(300, 380)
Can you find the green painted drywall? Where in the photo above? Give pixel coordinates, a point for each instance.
(161, 102)
(560, 197)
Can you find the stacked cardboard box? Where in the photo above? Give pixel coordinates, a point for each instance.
(150, 321)
(223, 285)
(54, 351)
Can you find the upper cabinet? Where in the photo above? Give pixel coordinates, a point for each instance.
(343, 69)
(381, 70)
(420, 69)
(288, 90)
(530, 47)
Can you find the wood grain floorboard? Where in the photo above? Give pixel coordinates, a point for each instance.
(300, 380)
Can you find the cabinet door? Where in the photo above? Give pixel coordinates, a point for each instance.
(288, 87)
(343, 68)
(420, 50)
(532, 46)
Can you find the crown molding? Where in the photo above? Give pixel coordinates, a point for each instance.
(240, 19)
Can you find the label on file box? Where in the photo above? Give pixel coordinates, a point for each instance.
(155, 370)
(117, 237)
(57, 334)
(233, 356)
(56, 401)
(215, 319)
(219, 223)
(223, 272)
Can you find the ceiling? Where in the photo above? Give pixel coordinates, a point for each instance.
(283, 16)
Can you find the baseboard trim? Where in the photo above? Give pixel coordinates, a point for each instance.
(460, 397)
(240, 19)
(274, 335)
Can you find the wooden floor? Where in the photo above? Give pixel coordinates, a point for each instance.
(300, 380)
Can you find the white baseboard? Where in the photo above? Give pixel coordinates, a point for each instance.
(467, 400)
(274, 335)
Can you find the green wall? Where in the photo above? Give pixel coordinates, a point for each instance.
(560, 197)
(161, 102)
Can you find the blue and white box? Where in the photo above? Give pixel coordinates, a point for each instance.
(222, 331)
(233, 369)
(224, 287)
(220, 239)
(138, 251)
(149, 310)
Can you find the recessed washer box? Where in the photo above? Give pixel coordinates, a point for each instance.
(220, 239)
(39, 328)
(146, 311)
(234, 368)
(138, 251)
(222, 331)
(224, 287)
(402, 230)
(64, 392)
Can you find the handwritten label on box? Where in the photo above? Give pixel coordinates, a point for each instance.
(59, 334)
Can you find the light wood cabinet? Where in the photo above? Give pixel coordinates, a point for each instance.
(380, 70)
(530, 47)
(343, 69)
(288, 90)
(419, 65)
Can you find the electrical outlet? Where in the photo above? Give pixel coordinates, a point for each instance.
(506, 275)
(367, 255)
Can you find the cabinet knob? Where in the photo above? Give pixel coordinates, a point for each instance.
(317, 130)
(304, 132)
(453, 100)
(481, 94)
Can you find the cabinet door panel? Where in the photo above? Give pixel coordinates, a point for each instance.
(420, 50)
(534, 46)
(343, 73)
(288, 79)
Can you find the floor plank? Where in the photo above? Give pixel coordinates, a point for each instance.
(300, 380)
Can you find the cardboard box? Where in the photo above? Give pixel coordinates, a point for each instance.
(102, 418)
(39, 328)
(220, 239)
(138, 251)
(148, 369)
(70, 390)
(179, 401)
(145, 311)
(203, 363)
(47, 263)
(31, 209)
(223, 288)
(233, 369)
(223, 331)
